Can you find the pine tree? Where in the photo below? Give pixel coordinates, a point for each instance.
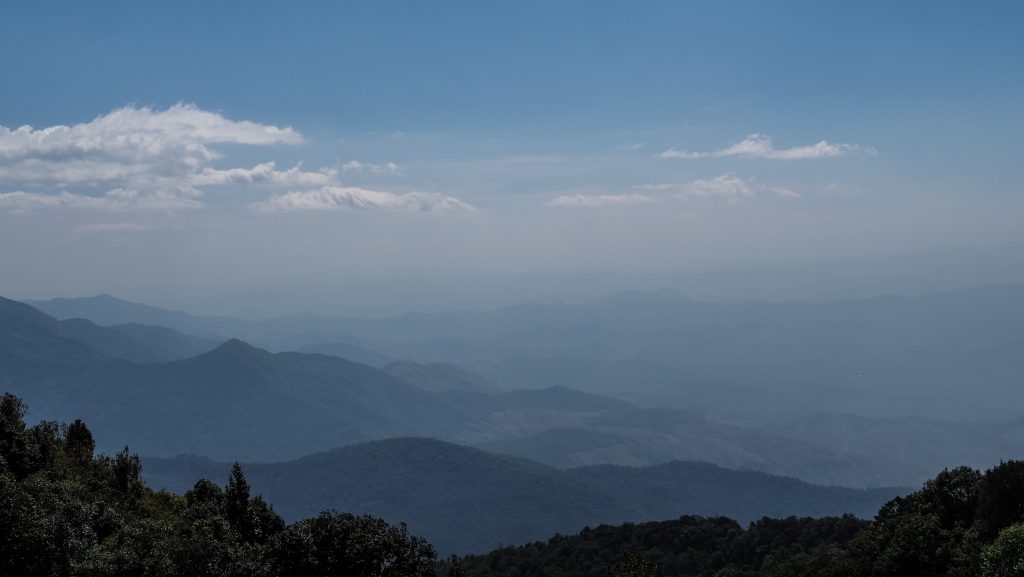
(236, 506)
(78, 443)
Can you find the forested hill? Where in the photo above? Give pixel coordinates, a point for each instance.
(961, 523)
(467, 500)
(65, 512)
(69, 513)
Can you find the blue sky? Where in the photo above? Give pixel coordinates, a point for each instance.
(469, 138)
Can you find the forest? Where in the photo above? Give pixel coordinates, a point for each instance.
(67, 511)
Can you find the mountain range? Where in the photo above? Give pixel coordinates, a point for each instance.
(140, 382)
(887, 356)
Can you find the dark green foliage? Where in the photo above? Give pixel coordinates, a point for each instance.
(236, 502)
(78, 443)
(1001, 498)
(943, 528)
(686, 546)
(65, 512)
(345, 544)
(15, 456)
(961, 523)
(205, 498)
(1005, 557)
(634, 566)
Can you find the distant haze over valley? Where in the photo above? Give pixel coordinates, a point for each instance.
(871, 392)
(821, 280)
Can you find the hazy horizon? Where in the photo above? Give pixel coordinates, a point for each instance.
(905, 274)
(391, 145)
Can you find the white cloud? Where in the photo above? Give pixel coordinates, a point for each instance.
(265, 174)
(785, 193)
(113, 200)
(111, 227)
(600, 200)
(132, 132)
(141, 158)
(727, 186)
(332, 198)
(761, 146)
(385, 168)
(161, 156)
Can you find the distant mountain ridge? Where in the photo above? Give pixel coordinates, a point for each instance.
(876, 357)
(466, 500)
(439, 377)
(107, 310)
(251, 404)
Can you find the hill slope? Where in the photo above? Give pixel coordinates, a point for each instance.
(439, 377)
(241, 401)
(463, 499)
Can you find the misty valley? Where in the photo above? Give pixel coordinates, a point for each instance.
(486, 435)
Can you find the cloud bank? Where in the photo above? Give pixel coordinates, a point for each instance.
(727, 187)
(600, 200)
(761, 146)
(142, 158)
(333, 198)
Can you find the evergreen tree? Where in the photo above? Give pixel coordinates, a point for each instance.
(78, 443)
(15, 455)
(236, 502)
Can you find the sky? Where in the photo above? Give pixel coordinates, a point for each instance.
(342, 156)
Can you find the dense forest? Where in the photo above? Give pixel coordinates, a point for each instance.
(65, 511)
(961, 523)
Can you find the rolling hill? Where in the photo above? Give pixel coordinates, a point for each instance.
(466, 500)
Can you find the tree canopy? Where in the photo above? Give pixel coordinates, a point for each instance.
(66, 512)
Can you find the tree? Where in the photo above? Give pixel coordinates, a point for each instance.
(634, 565)
(1000, 498)
(205, 499)
(355, 546)
(15, 455)
(1005, 556)
(127, 470)
(455, 567)
(78, 443)
(236, 502)
(264, 522)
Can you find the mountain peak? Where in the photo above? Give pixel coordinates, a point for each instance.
(236, 349)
